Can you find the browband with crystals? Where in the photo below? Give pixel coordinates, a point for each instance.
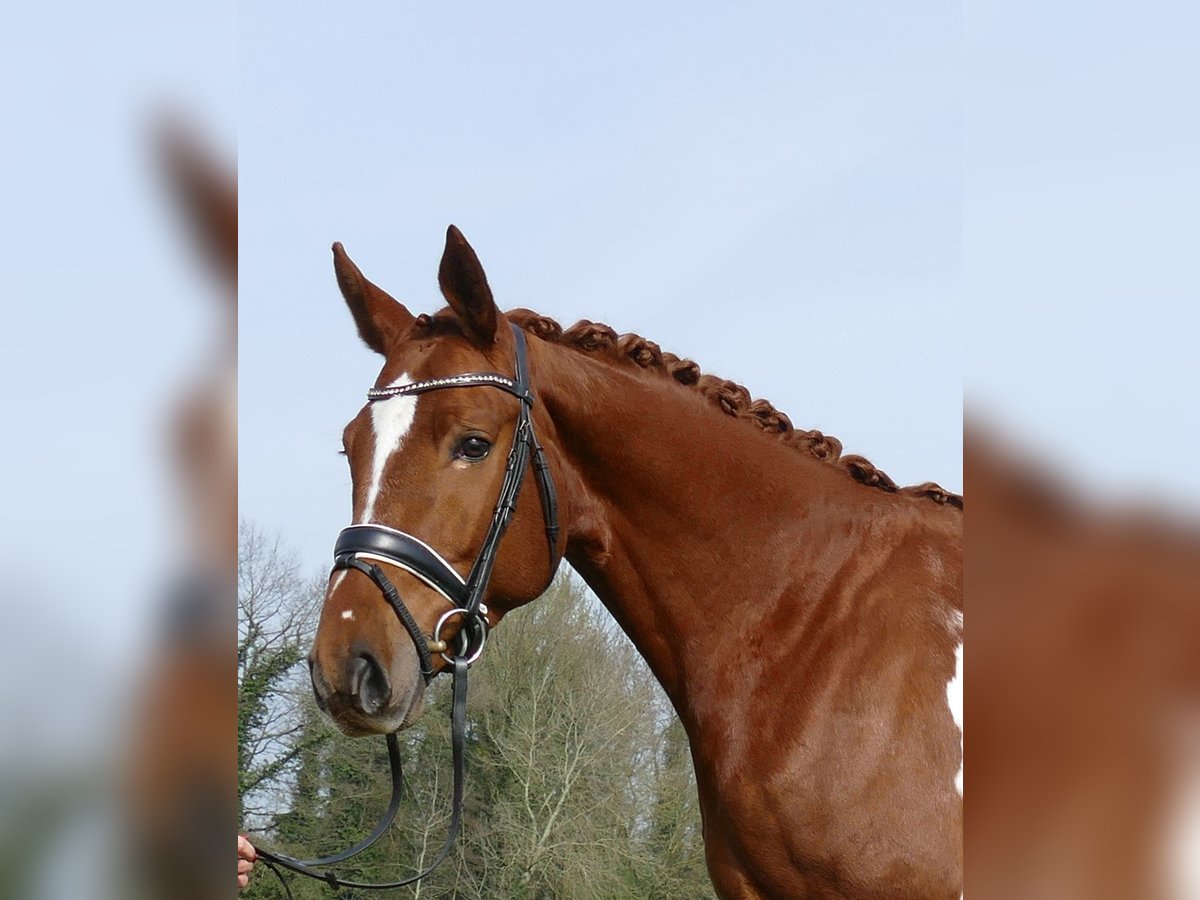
(471, 379)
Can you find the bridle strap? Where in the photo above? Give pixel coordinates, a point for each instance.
(525, 443)
(516, 386)
(390, 545)
(549, 497)
(310, 867)
(393, 748)
(392, 596)
(358, 543)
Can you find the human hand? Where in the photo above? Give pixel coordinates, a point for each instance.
(246, 857)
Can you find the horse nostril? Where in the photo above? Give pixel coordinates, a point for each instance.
(369, 684)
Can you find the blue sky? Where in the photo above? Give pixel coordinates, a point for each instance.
(772, 190)
(1080, 147)
(106, 318)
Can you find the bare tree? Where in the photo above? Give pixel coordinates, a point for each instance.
(277, 606)
(568, 715)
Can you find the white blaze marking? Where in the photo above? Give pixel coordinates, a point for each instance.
(954, 691)
(391, 419)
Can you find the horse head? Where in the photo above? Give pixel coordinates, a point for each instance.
(429, 455)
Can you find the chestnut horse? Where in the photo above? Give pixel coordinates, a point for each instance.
(803, 614)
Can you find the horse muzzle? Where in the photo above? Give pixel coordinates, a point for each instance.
(366, 697)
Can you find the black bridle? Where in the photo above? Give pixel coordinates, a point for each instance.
(361, 547)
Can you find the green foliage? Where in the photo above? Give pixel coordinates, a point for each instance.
(579, 779)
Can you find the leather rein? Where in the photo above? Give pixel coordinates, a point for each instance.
(362, 547)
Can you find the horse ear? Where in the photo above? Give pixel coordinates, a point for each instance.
(465, 287)
(206, 192)
(381, 319)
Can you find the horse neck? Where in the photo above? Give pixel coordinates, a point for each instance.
(688, 525)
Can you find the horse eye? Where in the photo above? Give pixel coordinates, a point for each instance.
(473, 448)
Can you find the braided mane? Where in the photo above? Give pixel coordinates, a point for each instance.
(731, 398)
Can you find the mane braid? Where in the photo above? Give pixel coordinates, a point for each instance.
(731, 398)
